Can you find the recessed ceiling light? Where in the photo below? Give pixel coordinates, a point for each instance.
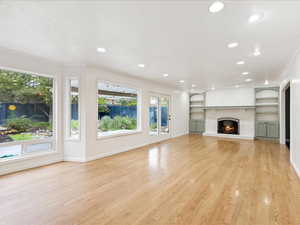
(266, 82)
(166, 75)
(194, 85)
(181, 81)
(256, 52)
(233, 45)
(213, 88)
(240, 63)
(141, 65)
(248, 80)
(255, 18)
(245, 73)
(237, 86)
(102, 50)
(216, 7)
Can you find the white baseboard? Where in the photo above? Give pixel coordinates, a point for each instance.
(74, 159)
(229, 136)
(30, 163)
(180, 134)
(295, 168)
(106, 154)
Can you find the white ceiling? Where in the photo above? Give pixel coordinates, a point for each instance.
(180, 38)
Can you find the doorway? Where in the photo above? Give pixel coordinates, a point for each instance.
(287, 116)
(159, 116)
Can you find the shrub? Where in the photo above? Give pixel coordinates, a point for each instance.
(21, 124)
(74, 124)
(102, 105)
(130, 123)
(105, 123)
(40, 125)
(153, 126)
(117, 123)
(21, 137)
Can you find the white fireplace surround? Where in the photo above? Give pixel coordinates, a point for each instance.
(246, 116)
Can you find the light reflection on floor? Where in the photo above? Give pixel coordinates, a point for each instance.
(157, 158)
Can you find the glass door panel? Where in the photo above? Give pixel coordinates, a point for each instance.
(153, 115)
(164, 115)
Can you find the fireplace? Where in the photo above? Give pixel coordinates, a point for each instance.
(228, 126)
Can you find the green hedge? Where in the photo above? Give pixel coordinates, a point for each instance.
(117, 123)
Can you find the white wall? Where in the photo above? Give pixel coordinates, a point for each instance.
(89, 147)
(292, 74)
(100, 147)
(21, 61)
(231, 97)
(246, 117)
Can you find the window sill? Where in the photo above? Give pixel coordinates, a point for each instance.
(112, 134)
(26, 157)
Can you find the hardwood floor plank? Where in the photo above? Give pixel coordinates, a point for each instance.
(187, 180)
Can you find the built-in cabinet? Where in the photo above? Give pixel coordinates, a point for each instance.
(267, 112)
(197, 113)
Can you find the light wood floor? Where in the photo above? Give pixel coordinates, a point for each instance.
(190, 180)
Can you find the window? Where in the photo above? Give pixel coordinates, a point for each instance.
(73, 111)
(117, 109)
(26, 112)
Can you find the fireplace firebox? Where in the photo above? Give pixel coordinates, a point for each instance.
(228, 126)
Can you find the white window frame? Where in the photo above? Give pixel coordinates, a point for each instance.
(51, 140)
(170, 116)
(139, 112)
(67, 129)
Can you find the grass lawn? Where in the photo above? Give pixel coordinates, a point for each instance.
(20, 137)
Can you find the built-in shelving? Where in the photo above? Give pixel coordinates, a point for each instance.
(267, 104)
(267, 112)
(197, 112)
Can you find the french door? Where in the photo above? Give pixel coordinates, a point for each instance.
(159, 116)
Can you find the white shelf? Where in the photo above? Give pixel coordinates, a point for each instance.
(197, 101)
(198, 106)
(267, 104)
(266, 98)
(266, 112)
(196, 112)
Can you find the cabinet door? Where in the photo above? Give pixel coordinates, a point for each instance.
(201, 126)
(273, 130)
(198, 126)
(261, 129)
(193, 126)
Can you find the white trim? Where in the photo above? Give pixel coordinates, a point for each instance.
(31, 162)
(73, 159)
(297, 170)
(55, 100)
(106, 154)
(117, 133)
(284, 86)
(26, 157)
(26, 71)
(67, 111)
(139, 109)
(229, 136)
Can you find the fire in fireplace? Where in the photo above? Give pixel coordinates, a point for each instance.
(228, 126)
